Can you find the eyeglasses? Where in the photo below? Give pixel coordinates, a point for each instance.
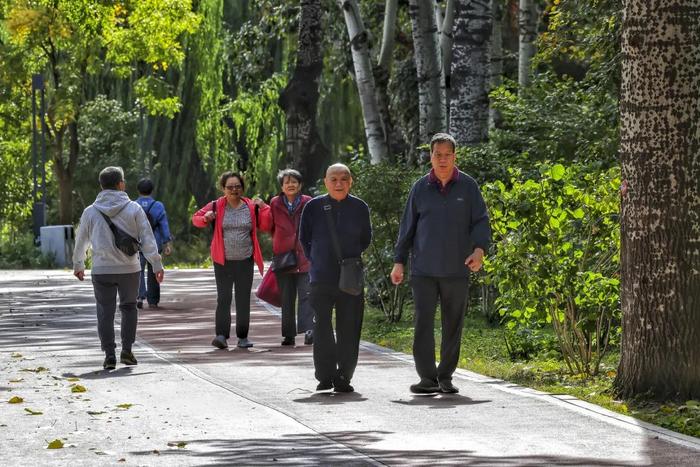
(233, 187)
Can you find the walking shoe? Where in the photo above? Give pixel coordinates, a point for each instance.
(139, 304)
(447, 387)
(244, 343)
(340, 384)
(425, 386)
(288, 341)
(219, 342)
(110, 362)
(309, 337)
(127, 358)
(324, 386)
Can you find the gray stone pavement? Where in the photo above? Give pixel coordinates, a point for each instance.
(189, 404)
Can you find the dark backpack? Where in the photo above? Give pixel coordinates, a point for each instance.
(122, 240)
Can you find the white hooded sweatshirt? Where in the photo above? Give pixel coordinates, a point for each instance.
(95, 232)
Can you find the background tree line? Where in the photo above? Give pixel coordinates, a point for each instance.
(182, 90)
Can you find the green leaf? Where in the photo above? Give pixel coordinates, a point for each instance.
(33, 412)
(578, 213)
(125, 406)
(558, 172)
(554, 222)
(55, 444)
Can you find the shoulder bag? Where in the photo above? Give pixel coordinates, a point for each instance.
(352, 277)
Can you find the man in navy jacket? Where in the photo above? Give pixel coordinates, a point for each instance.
(445, 227)
(335, 362)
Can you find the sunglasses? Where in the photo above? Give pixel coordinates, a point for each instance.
(233, 187)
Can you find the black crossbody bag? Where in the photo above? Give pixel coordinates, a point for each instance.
(352, 276)
(122, 240)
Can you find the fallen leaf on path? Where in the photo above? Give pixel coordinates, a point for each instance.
(91, 412)
(15, 400)
(35, 370)
(73, 379)
(16, 355)
(179, 444)
(33, 412)
(77, 388)
(125, 406)
(17, 380)
(55, 444)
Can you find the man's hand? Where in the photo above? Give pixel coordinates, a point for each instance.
(167, 249)
(397, 274)
(159, 275)
(209, 216)
(475, 260)
(80, 275)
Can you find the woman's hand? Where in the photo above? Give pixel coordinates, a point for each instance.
(209, 216)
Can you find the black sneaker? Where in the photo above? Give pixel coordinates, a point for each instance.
(425, 386)
(308, 338)
(219, 342)
(110, 362)
(127, 358)
(447, 387)
(324, 386)
(342, 385)
(139, 304)
(288, 341)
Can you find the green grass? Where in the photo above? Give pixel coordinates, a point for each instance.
(484, 352)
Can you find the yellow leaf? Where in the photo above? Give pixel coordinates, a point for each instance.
(77, 388)
(16, 355)
(55, 444)
(16, 400)
(16, 380)
(125, 406)
(72, 379)
(33, 412)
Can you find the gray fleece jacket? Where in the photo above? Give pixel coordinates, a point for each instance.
(95, 232)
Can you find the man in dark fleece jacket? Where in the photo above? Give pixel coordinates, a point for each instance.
(335, 362)
(445, 226)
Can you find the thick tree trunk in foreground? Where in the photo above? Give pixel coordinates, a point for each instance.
(660, 155)
(469, 102)
(299, 100)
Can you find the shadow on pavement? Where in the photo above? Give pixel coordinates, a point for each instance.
(331, 398)
(440, 401)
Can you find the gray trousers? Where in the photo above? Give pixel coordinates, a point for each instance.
(452, 293)
(106, 287)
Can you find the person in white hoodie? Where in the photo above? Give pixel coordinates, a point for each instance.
(112, 270)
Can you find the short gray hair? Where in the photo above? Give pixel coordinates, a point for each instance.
(110, 177)
(282, 174)
(442, 138)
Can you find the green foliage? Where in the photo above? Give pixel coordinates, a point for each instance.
(556, 257)
(384, 187)
(18, 251)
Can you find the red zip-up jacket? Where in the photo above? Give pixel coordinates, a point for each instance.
(284, 229)
(217, 242)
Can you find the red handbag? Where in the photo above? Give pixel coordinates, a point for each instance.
(268, 290)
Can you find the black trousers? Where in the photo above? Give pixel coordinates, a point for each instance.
(295, 286)
(452, 292)
(232, 275)
(106, 287)
(336, 356)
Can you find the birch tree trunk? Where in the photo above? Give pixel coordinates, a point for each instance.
(496, 57)
(431, 84)
(446, 27)
(299, 100)
(527, 24)
(359, 44)
(660, 155)
(469, 104)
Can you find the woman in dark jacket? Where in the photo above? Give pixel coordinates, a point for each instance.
(283, 220)
(234, 250)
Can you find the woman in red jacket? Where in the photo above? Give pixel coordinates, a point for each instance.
(234, 249)
(283, 219)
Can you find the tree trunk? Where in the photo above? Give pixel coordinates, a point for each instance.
(431, 83)
(469, 104)
(527, 23)
(446, 44)
(299, 100)
(659, 150)
(496, 57)
(359, 44)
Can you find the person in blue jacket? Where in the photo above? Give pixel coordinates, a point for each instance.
(149, 288)
(445, 228)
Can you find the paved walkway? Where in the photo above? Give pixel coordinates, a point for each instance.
(189, 404)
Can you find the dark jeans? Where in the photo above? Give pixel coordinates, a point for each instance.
(453, 294)
(152, 292)
(293, 286)
(238, 275)
(106, 287)
(336, 356)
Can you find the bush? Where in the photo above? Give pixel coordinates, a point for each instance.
(556, 259)
(20, 252)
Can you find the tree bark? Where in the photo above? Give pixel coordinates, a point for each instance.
(446, 44)
(660, 155)
(299, 100)
(469, 104)
(527, 23)
(359, 44)
(431, 82)
(496, 57)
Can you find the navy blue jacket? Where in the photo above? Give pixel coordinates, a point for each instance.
(441, 230)
(351, 217)
(161, 229)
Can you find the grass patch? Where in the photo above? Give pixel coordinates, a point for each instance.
(484, 352)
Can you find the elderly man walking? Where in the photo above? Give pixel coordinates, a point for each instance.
(113, 271)
(345, 217)
(446, 229)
